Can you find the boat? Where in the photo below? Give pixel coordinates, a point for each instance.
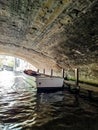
(43, 81)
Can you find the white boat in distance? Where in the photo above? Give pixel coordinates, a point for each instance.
(43, 81)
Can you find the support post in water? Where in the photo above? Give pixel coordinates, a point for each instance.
(43, 71)
(38, 71)
(77, 76)
(51, 72)
(63, 71)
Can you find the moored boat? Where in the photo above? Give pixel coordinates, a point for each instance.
(43, 81)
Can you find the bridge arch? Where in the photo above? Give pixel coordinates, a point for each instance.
(35, 58)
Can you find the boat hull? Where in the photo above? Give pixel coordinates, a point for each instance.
(42, 82)
(49, 82)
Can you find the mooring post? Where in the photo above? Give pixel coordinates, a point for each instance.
(77, 76)
(63, 71)
(43, 71)
(37, 70)
(51, 72)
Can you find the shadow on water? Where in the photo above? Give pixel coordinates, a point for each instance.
(22, 107)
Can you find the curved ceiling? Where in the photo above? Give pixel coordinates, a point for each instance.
(50, 33)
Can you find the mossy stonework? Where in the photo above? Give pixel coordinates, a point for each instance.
(52, 33)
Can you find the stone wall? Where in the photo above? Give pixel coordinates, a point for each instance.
(51, 33)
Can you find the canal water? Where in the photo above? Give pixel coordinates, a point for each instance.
(23, 108)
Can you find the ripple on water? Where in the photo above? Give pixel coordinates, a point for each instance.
(22, 108)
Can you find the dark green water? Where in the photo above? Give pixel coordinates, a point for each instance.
(23, 108)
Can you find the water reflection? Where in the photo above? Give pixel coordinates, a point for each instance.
(21, 107)
(16, 100)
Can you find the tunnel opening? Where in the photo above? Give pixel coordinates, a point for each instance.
(11, 63)
(11, 75)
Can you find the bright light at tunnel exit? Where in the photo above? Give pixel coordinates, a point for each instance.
(10, 63)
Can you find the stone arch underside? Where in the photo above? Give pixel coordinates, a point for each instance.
(37, 59)
(51, 33)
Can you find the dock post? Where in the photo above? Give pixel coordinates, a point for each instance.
(51, 72)
(37, 70)
(63, 71)
(77, 76)
(43, 71)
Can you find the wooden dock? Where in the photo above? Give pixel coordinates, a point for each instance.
(81, 86)
(89, 89)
